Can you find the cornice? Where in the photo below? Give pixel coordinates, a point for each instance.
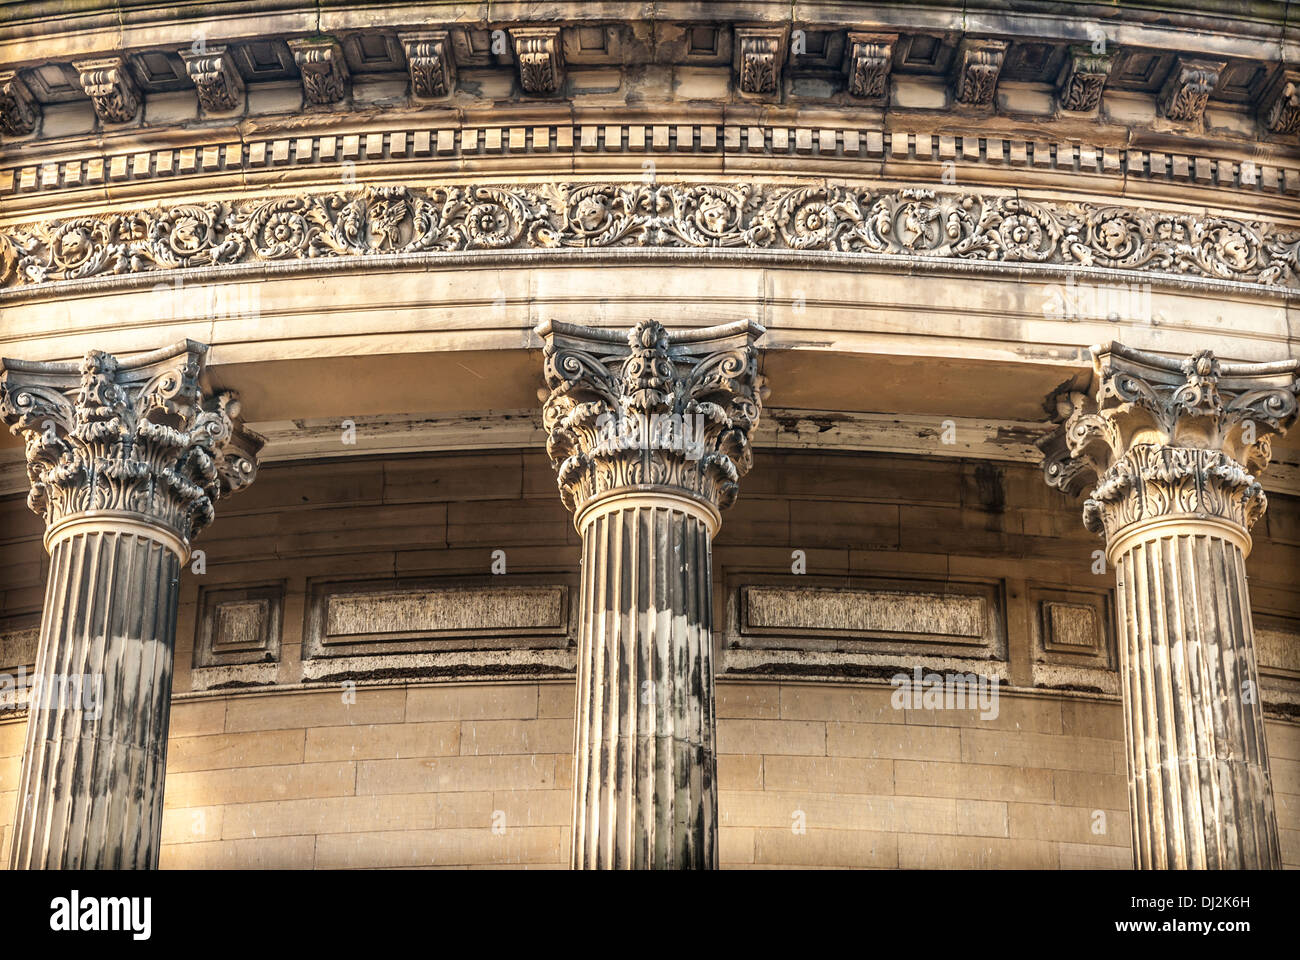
(831, 144)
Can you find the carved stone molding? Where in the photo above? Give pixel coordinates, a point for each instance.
(914, 223)
(976, 68)
(1280, 110)
(1167, 439)
(1083, 78)
(324, 71)
(219, 85)
(1187, 91)
(650, 409)
(431, 64)
(541, 59)
(760, 56)
(868, 57)
(109, 85)
(138, 439)
(19, 113)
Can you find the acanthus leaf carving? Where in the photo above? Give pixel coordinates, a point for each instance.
(140, 438)
(541, 59)
(1187, 90)
(977, 65)
(19, 111)
(1163, 438)
(323, 69)
(219, 85)
(868, 58)
(656, 409)
(1083, 79)
(109, 85)
(430, 63)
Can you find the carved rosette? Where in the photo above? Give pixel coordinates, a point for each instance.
(109, 85)
(671, 411)
(136, 440)
(219, 85)
(1168, 439)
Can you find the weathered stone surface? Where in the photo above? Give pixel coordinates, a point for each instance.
(1170, 444)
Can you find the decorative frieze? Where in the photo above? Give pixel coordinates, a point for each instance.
(219, 85)
(760, 57)
(19, 112)
(1280, 108)
(324, 71)
(868, 57)
(540, 58)
(910, 222)
(136, 438)
(431, 64)
(109, 85)
(1082, 80)
(975, 71)
(1187, 91)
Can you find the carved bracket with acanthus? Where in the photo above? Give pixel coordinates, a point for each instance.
(19, 112)
(1082, 80)
(1280, 107)
(1169, 438)
(867, 59)
(109, 85)
(1187, 91)
(760, 56)
(140, 439)
(430, 63)
(219, 85)
(976, 68)
(541, 59)
(650, 409)
(324, 71)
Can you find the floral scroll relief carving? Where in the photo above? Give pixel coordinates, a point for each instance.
(909, 222)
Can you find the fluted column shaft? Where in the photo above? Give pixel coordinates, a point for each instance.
(648, 431)
(91, 790)
(645, 767)
(1200, 789)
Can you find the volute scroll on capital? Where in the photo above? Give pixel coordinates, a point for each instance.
(140, 440)
(1164, 438)
(650, 409)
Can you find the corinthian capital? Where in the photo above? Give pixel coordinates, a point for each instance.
(1170, 439)
(650, 409)
(135, 440)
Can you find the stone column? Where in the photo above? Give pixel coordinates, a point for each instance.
(1172, 446)
(125, 460)
(649, 435)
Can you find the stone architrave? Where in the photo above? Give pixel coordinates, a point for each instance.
(1172, 448)
(126, 459)
(649, 434)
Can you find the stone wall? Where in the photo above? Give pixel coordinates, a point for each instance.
(413, 776)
